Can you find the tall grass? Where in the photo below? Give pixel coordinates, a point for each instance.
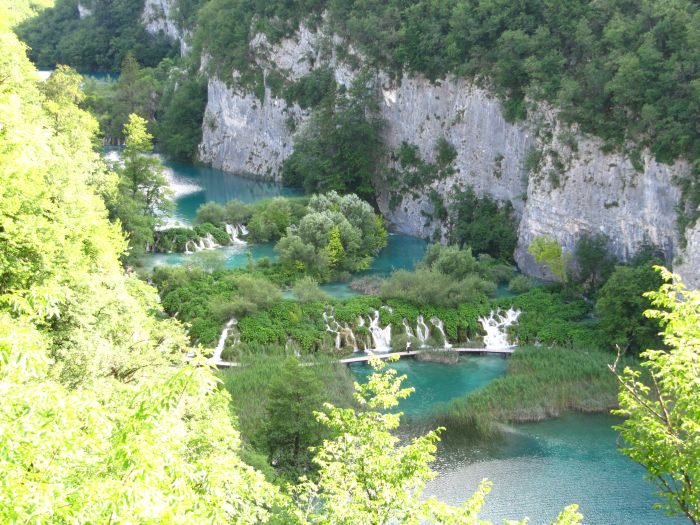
(540, 383)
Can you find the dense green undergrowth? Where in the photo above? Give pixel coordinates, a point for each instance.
(540, 382)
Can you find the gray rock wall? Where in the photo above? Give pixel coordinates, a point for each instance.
(575, 189)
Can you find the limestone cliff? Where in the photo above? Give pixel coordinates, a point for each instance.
(571, 185)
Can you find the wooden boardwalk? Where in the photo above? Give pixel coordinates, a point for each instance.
(413, 353)
(408, 353)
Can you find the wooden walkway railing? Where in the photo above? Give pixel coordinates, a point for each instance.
(408, 353)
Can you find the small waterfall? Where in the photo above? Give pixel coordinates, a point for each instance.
(234, 231)
(208, 242)
(332, 326)
(191, 247)
(437, 322)
(407, 328)
(381, 336)
(496, 328)
(222, 340)
(422, 330)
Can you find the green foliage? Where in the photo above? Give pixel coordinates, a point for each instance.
(594, 262)
(412, 172)
(520, 284)
(338, 233)
(662, 415)
(485, 225)
(291, 429)
(312, 88)
(211, 212)
(341, 146)
(621, 305)
(548, 252)
(553, 319)
(206, 300)
(447, 276)
(270, 220)
(98, 42)
(179, 124)
(306, 290)
(540, 383)
(143, 195)
(101, 417)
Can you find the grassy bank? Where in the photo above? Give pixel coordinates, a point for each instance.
(540, 383)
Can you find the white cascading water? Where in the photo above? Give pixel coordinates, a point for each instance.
(190, 247)
(407, 328)
(216, 358)
(381, 336)
(332, 326)
(235, 231)
(422, 330)
(496, 328)
(437, 322)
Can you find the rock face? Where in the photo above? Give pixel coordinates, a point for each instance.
(572, 187)
(159, 16)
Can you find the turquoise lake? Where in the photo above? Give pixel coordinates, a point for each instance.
(196, 185)
(537, 468)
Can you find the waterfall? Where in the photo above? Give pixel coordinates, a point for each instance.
(381, 336)
(222, 340)
(208, 242)
(234, 231)
(193, 245)
(332, 326)
(407, 327)
(496, 328)
(422, 330)
(437, 322)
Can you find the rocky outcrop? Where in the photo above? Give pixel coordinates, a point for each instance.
(570, 187)
(159, 17)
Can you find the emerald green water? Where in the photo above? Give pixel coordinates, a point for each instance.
(204, 184)
(536, 469)
(196, 185)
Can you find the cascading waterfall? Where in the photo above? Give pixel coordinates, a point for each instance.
(437, 322)
(422, 330)
(496, 328)
(216, 358)
(407, 328)
(381, 336)
(332, 326)
(235, 231)
(205, 243)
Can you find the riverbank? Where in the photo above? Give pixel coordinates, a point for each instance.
(540, 383)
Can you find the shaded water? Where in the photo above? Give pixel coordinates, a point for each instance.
(538, 468)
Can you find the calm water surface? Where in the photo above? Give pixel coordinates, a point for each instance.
(537, 469)
(196, 185)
